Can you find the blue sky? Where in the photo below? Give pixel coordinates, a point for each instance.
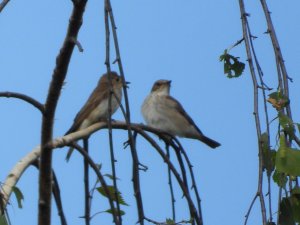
(176, 40)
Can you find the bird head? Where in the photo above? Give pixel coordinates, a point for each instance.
(161, 87)
(116, 80)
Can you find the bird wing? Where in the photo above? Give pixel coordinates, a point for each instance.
(92, 102)
(178, 107)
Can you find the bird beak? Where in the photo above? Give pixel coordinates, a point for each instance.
(169, 82)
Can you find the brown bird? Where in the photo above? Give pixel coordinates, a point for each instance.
(162, 111)
(97, 105)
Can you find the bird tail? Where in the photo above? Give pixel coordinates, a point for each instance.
(210, 142)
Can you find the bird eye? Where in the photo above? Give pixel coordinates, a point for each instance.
(117, 79)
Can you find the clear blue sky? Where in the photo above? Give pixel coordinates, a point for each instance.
(176, 40)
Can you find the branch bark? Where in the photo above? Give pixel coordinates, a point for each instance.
(3, 4)
(58, 77)
(25, 98)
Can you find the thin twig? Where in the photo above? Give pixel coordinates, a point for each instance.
(171, 187)
(111, 146)
(260, 76)
(3, 4)
(246, 36)
(194, 185)
(86, 178)
(25, 98)
(250, 208)
(100, 178)
(191, 205)
(135, 169)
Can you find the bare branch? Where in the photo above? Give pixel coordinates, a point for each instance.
(56, 194)
(58, 77)
(111, 146)
(136, 179)
(3, 4)
(86, 178)
(25, 98)
(69, 139)
(247, 38)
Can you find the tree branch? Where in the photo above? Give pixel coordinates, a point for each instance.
(58, 77)
(135, 169)
(25, 98)
(247, 37)
(3, 4)
(68, 140)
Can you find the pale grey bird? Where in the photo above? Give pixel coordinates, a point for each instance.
(96, 107)
(162, 111)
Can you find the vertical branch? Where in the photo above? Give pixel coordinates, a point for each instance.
(246, 37)
(58, 77)
(281, 69)
(112, 156)
(278, 55)
(263, 90)
(135, 169)
(56, 194)
(87, 196)
(171, 187)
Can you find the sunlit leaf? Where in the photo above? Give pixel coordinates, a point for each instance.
(278, 100)
(18, 195)
(287, 159)
(268, 154)
(112, 194)
(232, 66)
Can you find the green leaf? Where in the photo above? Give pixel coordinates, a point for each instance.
(286, 123)
(3, 220)
(286, 213)
(112, 194)
(280, 178)
(110, 212)
(18, 195)
(278, 100)
(287, 159)
(232, 66)
(269, 155)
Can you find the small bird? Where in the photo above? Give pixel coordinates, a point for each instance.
(97, 105)
(162, 111)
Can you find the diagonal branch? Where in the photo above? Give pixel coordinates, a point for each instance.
(3, 4)
(25, 98)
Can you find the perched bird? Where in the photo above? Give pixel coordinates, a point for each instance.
(97, 106)
(162, 111)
